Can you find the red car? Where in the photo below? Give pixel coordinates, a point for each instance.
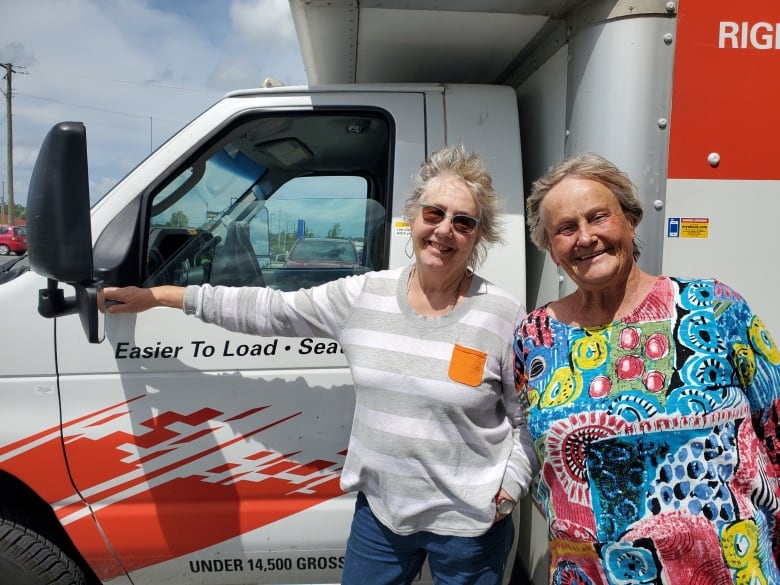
(13, 238)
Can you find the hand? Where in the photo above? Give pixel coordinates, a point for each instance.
(502, 495)
(133, 299)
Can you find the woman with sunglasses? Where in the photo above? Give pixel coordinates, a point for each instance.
(439, 452)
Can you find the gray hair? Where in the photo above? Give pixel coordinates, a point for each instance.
(584, 166)
(469, 167)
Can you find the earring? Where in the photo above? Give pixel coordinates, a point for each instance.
(409, 253)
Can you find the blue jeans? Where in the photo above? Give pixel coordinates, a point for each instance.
(377, 556)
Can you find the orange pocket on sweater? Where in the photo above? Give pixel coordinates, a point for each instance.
(467, 365)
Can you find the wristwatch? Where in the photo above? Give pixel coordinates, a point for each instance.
(504, 506)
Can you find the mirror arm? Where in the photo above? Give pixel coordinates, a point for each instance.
(52, 303)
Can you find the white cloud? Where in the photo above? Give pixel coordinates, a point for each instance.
(263, 23)
(134, 71)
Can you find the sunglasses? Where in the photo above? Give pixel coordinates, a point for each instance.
(461, 223)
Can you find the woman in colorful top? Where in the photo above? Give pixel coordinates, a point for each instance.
(652, 402)
(439, 451)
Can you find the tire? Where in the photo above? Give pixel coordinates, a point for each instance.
(28, 558)
(4, 250)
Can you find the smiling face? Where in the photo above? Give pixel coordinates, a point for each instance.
(590, 236)
(439, 247)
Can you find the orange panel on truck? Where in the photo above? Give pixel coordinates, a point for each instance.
(726, 90)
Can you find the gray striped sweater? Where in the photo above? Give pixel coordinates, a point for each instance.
(437, 428)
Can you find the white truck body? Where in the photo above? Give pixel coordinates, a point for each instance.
(176, 452)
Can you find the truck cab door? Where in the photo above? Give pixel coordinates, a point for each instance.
(214, 457)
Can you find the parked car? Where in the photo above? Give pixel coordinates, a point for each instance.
(13, 238)
(322, 253)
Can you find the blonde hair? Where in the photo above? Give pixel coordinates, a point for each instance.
(469, 167)
(585, 166)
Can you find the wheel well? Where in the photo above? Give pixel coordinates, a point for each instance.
(22, 505)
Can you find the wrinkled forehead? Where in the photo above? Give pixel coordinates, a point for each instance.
(451, 189)
(573, 194)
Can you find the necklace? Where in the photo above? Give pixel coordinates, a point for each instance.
(455, 297)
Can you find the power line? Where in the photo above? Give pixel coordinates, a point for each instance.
(145, 84)
(104, 110)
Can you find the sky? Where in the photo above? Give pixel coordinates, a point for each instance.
(133, 71)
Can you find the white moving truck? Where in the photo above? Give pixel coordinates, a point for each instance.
(153, 448)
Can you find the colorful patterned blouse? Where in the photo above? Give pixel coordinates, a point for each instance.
(658, 437)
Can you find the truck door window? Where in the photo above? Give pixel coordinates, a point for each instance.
(240, 212)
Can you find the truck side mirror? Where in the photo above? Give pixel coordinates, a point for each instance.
(59, 233)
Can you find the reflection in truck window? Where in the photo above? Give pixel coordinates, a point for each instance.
(233, 214)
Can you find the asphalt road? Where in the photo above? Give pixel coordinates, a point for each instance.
(7, 261)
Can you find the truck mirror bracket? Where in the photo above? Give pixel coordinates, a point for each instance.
(53, 303)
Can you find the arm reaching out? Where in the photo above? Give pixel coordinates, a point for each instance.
(132, 299)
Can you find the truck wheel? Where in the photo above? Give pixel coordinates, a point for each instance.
(28, 558)
(4, 250)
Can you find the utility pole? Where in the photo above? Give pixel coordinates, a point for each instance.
(9, 70)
